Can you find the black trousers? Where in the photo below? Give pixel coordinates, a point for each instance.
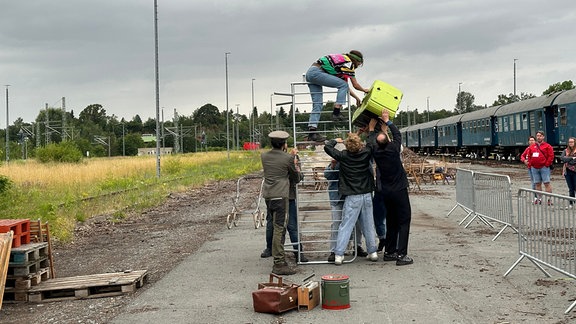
(398, 217)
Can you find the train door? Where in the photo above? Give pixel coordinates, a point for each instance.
(551, 117)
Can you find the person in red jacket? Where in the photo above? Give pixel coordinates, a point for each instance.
(525, 160)
(540, 158)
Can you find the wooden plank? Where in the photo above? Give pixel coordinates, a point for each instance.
(103, 279)
(5, 248)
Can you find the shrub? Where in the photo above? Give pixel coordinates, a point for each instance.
(61, 152)
(5, 184)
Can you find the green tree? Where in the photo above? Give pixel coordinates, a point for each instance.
(566, 85)
(506, 99)
(464, 102)
(209, 117)
(94, 114)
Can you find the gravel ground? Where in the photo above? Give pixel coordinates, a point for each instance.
(159, 239)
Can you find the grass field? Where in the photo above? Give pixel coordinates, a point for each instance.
(63, 194)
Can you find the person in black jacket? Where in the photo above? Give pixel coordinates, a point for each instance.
(356, 183)
(393, 185)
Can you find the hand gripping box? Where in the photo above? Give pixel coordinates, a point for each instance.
(381, 96)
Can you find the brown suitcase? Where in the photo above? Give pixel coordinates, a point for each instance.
(275, 297)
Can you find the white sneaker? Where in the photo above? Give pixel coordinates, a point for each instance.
(338, 259)
(372, 256)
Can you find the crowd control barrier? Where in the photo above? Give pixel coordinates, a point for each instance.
(486, 197)
(547, 233)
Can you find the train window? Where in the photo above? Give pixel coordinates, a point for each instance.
(511, 123)
(539, 120)
(505, 124)
(563, 117)
(518, 124)
(524, 121)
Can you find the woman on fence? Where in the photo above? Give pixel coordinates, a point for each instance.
(569, 169)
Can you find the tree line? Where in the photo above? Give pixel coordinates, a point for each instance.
(94, 133)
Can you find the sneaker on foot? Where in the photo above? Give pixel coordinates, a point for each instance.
(338, 259)
(302, 257)
(373, 257)
(315, 137)
(360, 252)
(266, 253)
(283, 269)
(331, 258)
(390, 256)
(338, 117)
(404, 260)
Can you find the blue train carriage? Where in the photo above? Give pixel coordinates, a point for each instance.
(564, 109)
(411, 137)
(518, 120)
(428, 137)
(449, 135)
(479, 133)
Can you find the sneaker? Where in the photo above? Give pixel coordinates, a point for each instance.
(283, 269)
(315, 137)
(338, 259)
(381, 244)
(331, 258)
(373, 257)
(266, 253)
(404, 260)
(360, 252)
(537, 201)
(390, 257)
(302, 257)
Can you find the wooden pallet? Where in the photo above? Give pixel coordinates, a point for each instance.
(27, 253)
(26, 282)
(90, 286)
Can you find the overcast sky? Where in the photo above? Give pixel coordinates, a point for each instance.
(102, 51)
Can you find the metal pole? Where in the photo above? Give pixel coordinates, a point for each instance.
(123, 141)
(157, 90)
(237, 119)
(253, 117)
(459, 98)
(227, 114)
(428, 107)
(271, 120)
(515, 79)
(7, 127)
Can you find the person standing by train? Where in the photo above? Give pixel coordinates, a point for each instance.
(525, 160)
(540, 158)
(569, 168)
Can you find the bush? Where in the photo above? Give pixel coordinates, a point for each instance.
(61, 152)
(5, 184)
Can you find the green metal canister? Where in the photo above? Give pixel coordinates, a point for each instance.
(335, 291)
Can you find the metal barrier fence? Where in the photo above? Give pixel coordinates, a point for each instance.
(486, 197)
(547, 233)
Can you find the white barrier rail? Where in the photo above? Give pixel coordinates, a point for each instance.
(547, 233)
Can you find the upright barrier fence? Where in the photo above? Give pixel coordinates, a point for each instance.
(547, 233)
(486, 197)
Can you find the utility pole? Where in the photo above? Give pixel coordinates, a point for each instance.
(515, 79)
(7, 127)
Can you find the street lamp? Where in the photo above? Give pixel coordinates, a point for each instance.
(428, 107)
(157, 77)
(237, 119)
(253, 117)
(7, 125)
(515, 79)
(227, 117)
(459, 98)
(271, 121)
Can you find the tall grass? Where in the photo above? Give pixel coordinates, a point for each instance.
(63, 194)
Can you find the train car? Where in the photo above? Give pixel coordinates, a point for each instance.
(518, 120)
(479, 135)
(564, 107)
(449, 135)
(411, 137)
(428, 137)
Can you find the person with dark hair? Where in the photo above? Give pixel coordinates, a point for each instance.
(280, 169)
(569, 168)
(392, 183)
(541, 156)
(334, 71)
(524, 159)
(355, 183)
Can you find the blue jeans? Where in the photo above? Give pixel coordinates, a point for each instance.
(356, 207)
(316, 78)
(379, 212)
(571, 182)
(541, 175)
(337, 207)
